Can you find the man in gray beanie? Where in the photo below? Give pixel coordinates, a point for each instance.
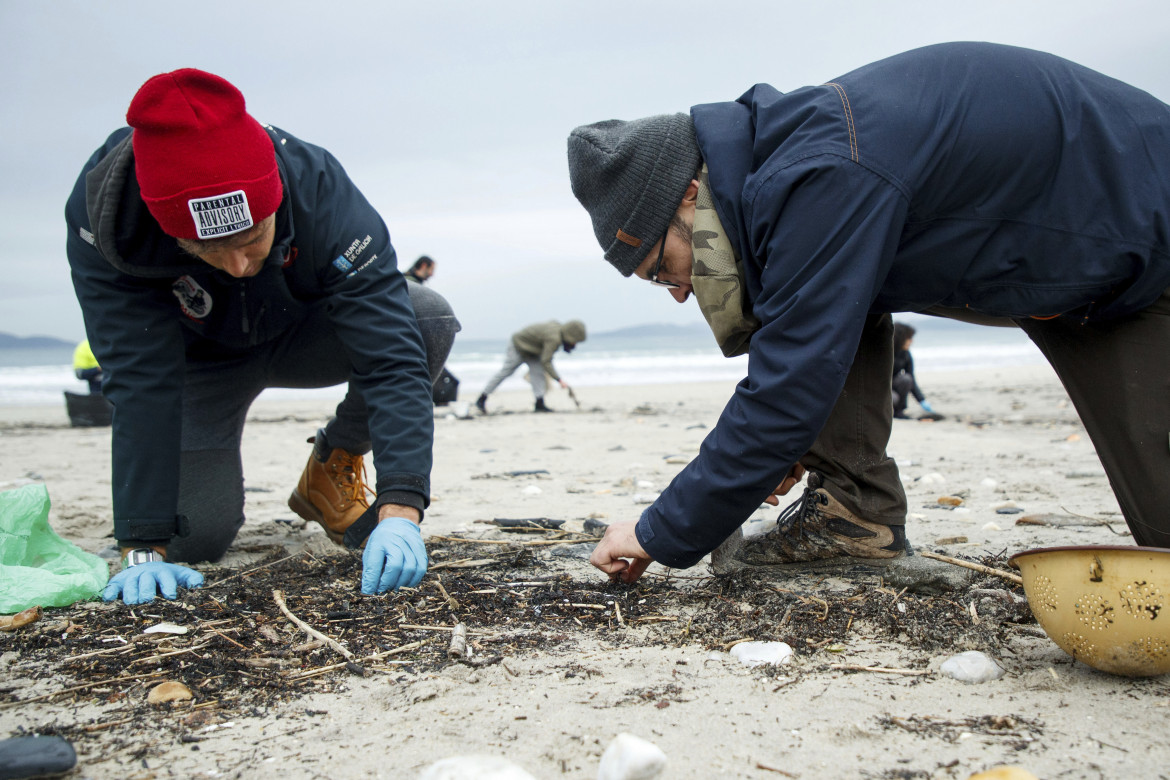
(961, 180)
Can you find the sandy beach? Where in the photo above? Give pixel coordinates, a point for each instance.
(553, 686)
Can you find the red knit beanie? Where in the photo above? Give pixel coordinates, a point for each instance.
(206, 168)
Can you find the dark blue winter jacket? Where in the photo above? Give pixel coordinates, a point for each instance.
(143, 300)
(996, 179)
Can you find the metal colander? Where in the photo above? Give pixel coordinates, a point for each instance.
(1103, 605)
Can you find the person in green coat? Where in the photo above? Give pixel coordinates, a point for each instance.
(534, 346)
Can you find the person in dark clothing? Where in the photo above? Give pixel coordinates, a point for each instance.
(421, 270)
(214, 257)
(981, 182)
(904, 383)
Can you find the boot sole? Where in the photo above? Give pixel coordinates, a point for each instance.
(305, 509)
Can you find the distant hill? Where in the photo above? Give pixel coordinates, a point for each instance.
(12, 341)
(653, 330)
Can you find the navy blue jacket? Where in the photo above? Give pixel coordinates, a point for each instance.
(143, 300)
(1006, 181)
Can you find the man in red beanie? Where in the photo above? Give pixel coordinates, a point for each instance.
(214, 257)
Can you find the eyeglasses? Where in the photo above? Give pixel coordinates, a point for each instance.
(653, 275)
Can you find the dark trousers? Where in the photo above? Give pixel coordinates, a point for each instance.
(218, 391)
(1113, 372)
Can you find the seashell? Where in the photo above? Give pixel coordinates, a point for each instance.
(168, 691)
(20, 619)
(164, 628)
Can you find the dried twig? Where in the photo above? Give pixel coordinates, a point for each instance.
(106, 681)
(1007, 575)
(278, 597)
(881, 670)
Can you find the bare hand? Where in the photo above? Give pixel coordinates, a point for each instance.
(619, 554)
(795, 474)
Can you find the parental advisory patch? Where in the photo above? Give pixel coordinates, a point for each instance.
(220, 215)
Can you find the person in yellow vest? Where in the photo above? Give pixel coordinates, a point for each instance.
(85, 367)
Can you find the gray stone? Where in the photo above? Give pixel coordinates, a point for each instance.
(926, 576)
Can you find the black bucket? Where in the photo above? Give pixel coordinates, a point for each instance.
(88, 411)
(446, 388)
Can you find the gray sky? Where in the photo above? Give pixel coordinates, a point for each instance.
(452, 116)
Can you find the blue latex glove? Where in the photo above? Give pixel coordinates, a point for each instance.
(139, 584)
(395, 556)
(926, 407)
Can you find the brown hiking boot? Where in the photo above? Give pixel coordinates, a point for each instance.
(818, 528)
(332, 489)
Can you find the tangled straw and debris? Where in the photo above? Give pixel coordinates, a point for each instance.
(290, 625)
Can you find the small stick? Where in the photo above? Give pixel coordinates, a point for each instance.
(432, 628)
(451, 602)
(152, 658)
(1007, 575)
(767, 768)
(617, 611)
(228, 638)
(5, 705)
(881, 669)
(249, 571)
(278, 597)
(458, 647)
(122, 649)
(375, 657)
(478, 563)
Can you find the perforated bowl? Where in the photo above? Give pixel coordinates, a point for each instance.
(1103, 605)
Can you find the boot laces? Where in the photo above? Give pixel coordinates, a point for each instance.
(351, 481)
(807, 509)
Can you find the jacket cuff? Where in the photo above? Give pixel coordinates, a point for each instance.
(404, 497)
(146, 533)
(657, 544)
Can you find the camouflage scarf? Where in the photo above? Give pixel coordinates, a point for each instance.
(717, 278)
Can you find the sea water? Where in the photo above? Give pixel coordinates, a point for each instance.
(632, 356)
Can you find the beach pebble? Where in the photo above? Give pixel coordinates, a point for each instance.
(961, 511)
(532, 490)
(642, 484)
(474, 768)
(972, 667)
(761, 653)
(988, 482)
(645, 498)
(595, 527)
(631, 758)
(933, 478)
(678, 459)
(992, 527)
(949, 501)
(1009, 504)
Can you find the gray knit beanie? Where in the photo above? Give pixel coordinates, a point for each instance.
(631, 178)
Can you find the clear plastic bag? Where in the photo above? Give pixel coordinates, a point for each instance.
(37, 567)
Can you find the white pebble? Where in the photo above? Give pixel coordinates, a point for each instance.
(532, 490)
(961, 510)
(474, 768)
(644, 485)
(933, 478)
(992, 527)
(988, 482)
(760, 653)
(631, 758)
(972, 667)
(1005, 505)
(645, 498)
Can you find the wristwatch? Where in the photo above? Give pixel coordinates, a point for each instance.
(140, 555)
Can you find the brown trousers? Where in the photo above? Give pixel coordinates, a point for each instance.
(1113, 371)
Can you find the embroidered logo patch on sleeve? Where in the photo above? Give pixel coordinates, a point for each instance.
(220, 215)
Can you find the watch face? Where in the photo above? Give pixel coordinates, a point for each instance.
(140, 555)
